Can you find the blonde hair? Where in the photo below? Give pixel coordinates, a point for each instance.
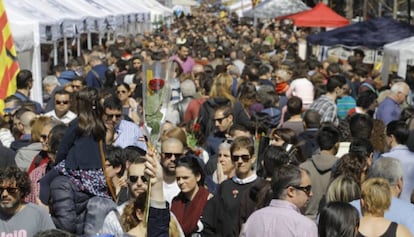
(343, 189)
(222, 87)
(375, 197)
(37, 125)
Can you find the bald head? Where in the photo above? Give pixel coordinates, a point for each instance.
(25, 119)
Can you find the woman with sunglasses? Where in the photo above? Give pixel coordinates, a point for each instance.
(44, 160)
(189, 204)
(129, 104)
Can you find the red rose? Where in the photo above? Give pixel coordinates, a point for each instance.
(156, 84)
(196, 127)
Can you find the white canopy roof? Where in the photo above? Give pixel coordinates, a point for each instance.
(400, 52)
(46, 21)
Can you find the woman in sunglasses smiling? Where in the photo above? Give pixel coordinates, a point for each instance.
(189, 204)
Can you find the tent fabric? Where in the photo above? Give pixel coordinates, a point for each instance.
(185, 3)
(319, 16)
(240, 6)
(374, 33)
(400, 52)
(276, 8)
(47, 21)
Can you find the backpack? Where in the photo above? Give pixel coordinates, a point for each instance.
(96, 211)
(98, 78)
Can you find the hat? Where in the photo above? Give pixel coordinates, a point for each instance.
(188, 88)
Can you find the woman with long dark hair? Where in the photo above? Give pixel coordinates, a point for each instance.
(189, 204)
(339, 219)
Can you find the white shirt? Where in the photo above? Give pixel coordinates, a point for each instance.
(170, 191)
(67, 118)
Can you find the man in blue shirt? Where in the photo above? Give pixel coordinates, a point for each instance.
(24, 83)
(121, 132)
(400, 211)
(389, 109)
(96, 76)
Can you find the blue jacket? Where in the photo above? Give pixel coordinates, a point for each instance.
(92, 80)
(80, 152)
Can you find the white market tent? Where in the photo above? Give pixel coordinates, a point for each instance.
(399, 52)
(184, 6)
(47, 21)
(240, 6)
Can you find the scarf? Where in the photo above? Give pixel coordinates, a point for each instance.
(188, 212)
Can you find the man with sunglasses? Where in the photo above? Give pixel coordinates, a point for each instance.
(16, 217)
(222, 213)
(291, 187)
(137, 185)
(223, 120)
(61, 109)
(171, 150)
(121, 132)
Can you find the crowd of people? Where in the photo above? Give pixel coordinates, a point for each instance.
(252, 141)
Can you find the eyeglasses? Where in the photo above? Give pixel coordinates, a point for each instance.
(111, 116)
(134, 178)
(9, 190)
(245, 158)
(62, 102)
(43, 136)
(219, 120)
(307, 189)
(168, 155)
(123, 92)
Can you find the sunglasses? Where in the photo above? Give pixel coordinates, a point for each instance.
(307, 189)
(62, 102)
(245, 158)
(76, 86)
(111, 116)
(119, 92)
(168, 155)
(9, 190)
(134, 178)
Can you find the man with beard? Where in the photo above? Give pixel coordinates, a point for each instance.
(171, 150)
(16, 217)
(186, 62)
(137, 185)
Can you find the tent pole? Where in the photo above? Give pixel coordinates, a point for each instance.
(78, 46)
(65, 49)
(55, 53)
(89, 40)
(100, 39)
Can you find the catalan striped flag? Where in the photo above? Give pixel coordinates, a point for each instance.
(8, 61)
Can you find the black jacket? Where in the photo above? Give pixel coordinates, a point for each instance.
(68, 205)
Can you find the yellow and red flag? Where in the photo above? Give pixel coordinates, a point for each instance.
(8, 60)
